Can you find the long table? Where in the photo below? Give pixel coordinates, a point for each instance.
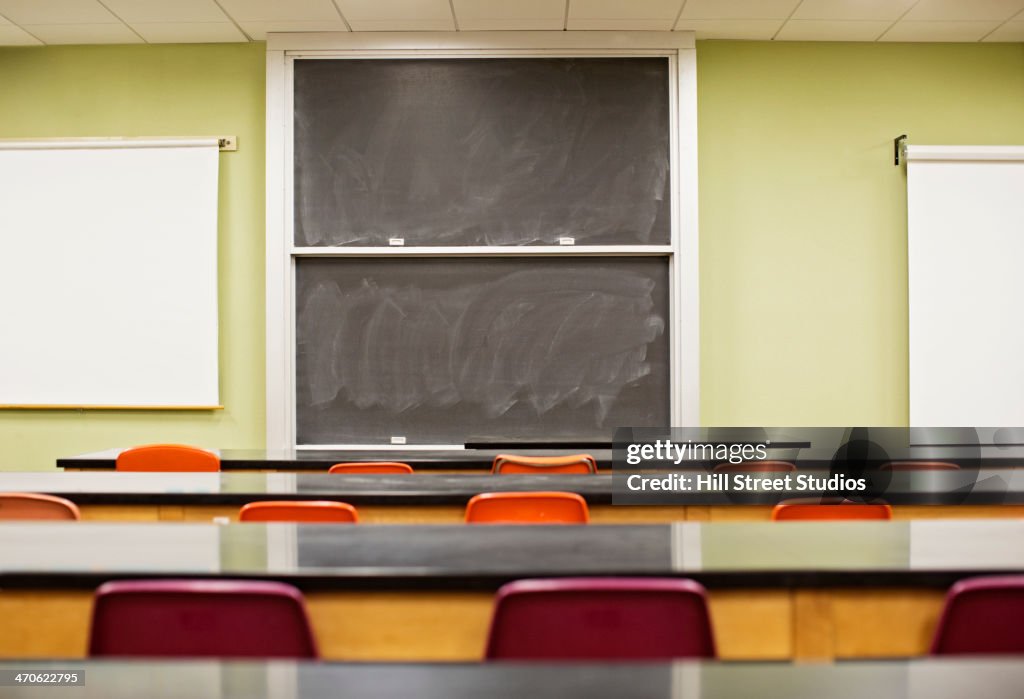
(931, 679)
(777, 590)
(291, 459)
(441, 498)
(322, 459)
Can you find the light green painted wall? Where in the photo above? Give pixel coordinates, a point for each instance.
(803, 215)
(803, 231)
(156, 91)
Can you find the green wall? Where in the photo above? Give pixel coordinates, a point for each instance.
(803, 215)
(156, 91)
(803, 231)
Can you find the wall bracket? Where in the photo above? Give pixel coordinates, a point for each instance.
(899, 146)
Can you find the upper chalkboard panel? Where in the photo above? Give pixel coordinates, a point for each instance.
(440, 350)
(509, 151)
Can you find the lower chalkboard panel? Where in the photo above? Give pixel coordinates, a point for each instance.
(436, 350)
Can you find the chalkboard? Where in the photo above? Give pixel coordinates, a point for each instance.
(437, 350)
(509, 151)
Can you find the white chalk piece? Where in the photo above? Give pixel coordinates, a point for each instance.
(566, 241)
(398, 440)
(396, 241)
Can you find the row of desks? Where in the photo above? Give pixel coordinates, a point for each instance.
(777, 591)
(441, 499)
(932, 679)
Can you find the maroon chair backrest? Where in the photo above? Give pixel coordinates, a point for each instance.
(600, 619)
(984, 616)
(200, 618)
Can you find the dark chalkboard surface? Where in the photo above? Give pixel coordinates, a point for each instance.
(437, 350)
(510, 151)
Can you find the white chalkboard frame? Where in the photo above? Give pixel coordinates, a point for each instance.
(682, 253)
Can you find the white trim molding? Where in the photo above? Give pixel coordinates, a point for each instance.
(480, 41)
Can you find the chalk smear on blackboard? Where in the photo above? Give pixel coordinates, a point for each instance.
(529, 336)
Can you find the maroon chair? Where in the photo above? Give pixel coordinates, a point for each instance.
(200, 618)
(983, 616)
(600, 619)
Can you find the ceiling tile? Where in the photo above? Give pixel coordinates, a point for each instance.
(1011, 31)
(55, 12)
(746, 29)
(403, 25)
(503, 15)
(398, 15)
(824, 30)
(852, 9)
(623, 14)
(278, 10)
(14, 36)
(976, 10)
(738, 9)
(628, 24)
(132, 11)
(84, 33)
(188, 32)
(517, 23)
(624, 9)
(906, 30)
(258, 30)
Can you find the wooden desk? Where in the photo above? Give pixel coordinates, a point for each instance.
(432, 498)
(777, 590)
(930, 679)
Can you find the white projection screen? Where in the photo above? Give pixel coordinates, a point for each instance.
(965, 207)
(108, 273)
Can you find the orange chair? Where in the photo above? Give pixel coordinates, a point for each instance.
(804, 509)
(574, 463)
(756, 467)
(527, 508)
(371, 467)
(299, 511)
(920, 466)
(33, 506)
(167, 457)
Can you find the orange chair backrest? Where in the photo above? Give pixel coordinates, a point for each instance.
(299, 511)
(574, 463)
(756, 467)
(357, 467)
(920, 466)
(527, 508)
(800, 510)
(167, 457)
(34, 506)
